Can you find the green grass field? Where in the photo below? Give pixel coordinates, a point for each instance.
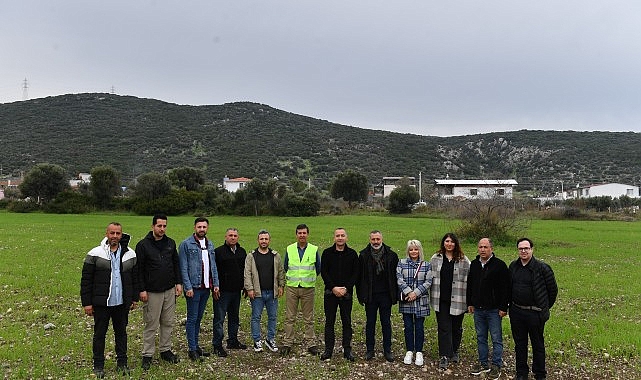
(594, 331)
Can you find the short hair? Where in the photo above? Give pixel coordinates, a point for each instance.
(114, 224)
(158, 216)
(231, 229)
(376, 232)
(264, 232)
(525, 239)
(302, 226)
(417, 244)
(201, 219)
(340, 228)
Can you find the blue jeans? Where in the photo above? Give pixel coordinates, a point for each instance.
(265, 301)
(195, 310)
(381, 303)
(414, 332)
(489, 320)
(228, 303)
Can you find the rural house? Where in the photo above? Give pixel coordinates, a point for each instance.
(475, 188)
(613, 190)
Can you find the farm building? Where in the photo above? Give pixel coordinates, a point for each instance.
(234, 184)
(613, 190)
(475, 188)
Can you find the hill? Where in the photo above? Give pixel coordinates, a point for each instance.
(134, 135)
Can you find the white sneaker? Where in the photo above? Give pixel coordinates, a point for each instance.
(408, 357)
(419, 358)
(271, 344)
(258, 346)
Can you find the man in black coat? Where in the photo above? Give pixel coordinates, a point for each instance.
(108, 290)
(376, 289)
(534, 291)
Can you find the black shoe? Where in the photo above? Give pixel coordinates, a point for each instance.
(348, 356)
(285, 351)
(369, 355)
(220, 351)
(314, 350)
(146, 362)
(169, 356)
(389, 356)
(123, 369)
(194, 356)
(99, 372)
(202, 353)
(236, 346)
(326, 355)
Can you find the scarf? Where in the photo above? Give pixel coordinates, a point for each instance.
(377, 255)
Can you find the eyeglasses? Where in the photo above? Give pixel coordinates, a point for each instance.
(524, 248)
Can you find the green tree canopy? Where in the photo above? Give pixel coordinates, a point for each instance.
(351, 186)
(190, 179)
(152, 186)
(44, 182)
(402, 198)
(104, 185)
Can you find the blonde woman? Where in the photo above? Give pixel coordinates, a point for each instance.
(414, 278)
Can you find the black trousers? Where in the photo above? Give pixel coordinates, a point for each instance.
(119, 316)
(331, 303)
(450, 330)
(524, 324)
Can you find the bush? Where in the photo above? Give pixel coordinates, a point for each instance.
(69, 202)
(493, 218)
(23, 206)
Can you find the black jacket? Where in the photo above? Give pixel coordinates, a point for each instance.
(95, 282)
(158, 264)
(544, 285)
(488, 287)
(366, 276)
(231, 268)
(339, 268)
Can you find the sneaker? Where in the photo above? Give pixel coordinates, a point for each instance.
(389, 356)
(369, 355)
(442, 364)
(419, 359)
(409, 356)
(146, 362)
(202, 353)
(347, 354)
(220, 351)
(99, 372)
(169, 356)
(258, 346)
(479, 369)
(326, 355)
(314, 350)
(194, 355)
(271, 345)
(494, 373)
(455, 358)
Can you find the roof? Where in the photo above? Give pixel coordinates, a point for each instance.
(240, 179)
(487, 182)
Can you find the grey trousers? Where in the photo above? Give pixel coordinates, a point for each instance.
(158, 311)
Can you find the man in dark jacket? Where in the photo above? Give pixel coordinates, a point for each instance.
(160, 284)
(488, 287)
(376, 288)
(534, 291)
(230, 261)
(108, 290)
(340, 272)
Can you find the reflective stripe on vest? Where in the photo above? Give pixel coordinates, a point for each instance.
(301, 273)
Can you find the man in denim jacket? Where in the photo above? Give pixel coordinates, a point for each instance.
(200, 276)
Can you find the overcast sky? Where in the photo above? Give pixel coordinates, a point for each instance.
(426, 67)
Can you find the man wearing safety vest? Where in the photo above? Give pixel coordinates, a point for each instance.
(302, 265)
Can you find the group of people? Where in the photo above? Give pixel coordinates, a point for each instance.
(115, 278)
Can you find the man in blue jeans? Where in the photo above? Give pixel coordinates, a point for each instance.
(230, 262)
(199, 274)
(488, 289)
(265, 283)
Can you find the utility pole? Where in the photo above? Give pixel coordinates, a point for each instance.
(420, 186)
(25, 92)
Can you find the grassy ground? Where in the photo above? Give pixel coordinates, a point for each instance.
(594, 331)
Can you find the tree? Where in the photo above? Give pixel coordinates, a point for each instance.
(402, 198)
(152, 186)
(44, 182)
(351, 186)
(104, 185)
(187, 178)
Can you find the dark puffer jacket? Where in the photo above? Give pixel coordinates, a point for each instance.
(95, 283)
(544, 285)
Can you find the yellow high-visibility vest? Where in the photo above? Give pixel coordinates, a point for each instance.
(301, 272)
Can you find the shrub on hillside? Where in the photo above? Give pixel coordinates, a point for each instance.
(494, 218)
(68, 202)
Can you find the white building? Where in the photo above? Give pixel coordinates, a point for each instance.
(391, 183)
(234, 184)
(613, 190)
(475, 188)
(82, 178)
